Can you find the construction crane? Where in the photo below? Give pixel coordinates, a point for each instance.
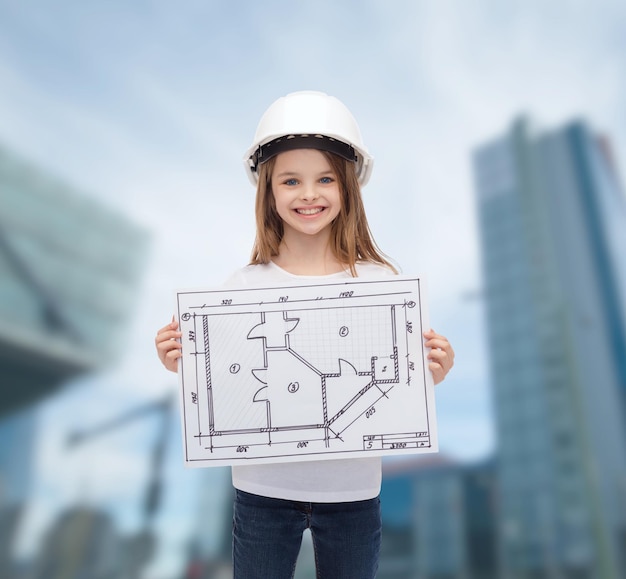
(141, 546)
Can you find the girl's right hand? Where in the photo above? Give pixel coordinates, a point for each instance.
(168, 345)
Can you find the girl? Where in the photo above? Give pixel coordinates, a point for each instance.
(308, 163)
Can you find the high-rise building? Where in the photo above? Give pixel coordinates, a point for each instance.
(438, 519)
(69, 269)
(553, 232)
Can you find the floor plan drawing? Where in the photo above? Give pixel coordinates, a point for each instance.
(305, 372)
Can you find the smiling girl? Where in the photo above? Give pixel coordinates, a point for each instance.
(308, 163)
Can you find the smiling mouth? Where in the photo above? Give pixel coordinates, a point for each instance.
(312, 211)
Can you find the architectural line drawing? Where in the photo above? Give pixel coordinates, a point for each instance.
(305, 372)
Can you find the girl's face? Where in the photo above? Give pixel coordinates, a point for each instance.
(306, 192)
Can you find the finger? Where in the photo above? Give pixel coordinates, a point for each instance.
(167, 335)
(170, 359)
(164, 348)
(173, 355)
(166, 345)
(169, 354)
(432, 334)
(442, 348)
(438, 355)
(434, 339)
(442, 358)
(437, 343)
(437, 372)
(173, 325)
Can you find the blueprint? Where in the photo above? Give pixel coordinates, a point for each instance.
(305, 372)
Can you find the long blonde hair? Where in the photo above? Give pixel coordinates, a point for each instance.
(351, 240)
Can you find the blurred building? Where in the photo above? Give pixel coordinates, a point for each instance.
(209, 551)
(17, 438)
(438, 520)
(82, 544)
(69, 269)
(553, 231)
(16, 481)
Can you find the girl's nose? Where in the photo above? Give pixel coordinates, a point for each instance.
(309, 192)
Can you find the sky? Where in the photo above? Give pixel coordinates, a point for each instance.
(148, 106)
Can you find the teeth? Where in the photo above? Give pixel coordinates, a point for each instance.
(309, 211)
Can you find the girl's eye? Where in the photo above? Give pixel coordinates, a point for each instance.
(291, 182)
(326, 180)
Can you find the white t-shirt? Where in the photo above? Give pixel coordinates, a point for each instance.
(322, 481)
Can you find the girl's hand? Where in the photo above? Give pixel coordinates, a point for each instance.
(168, 345)
(441, 355)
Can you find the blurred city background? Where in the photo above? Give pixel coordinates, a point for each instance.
(499, 137)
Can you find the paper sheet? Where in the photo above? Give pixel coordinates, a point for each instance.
(305, 372)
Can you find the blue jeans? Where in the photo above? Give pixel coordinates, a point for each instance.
(267, 534)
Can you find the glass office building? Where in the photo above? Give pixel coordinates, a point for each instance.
(69, 267)
(438, 519)
(553, 233)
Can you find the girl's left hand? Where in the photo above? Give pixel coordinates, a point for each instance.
(441, 355)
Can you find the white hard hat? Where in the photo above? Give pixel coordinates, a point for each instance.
(308, 120)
